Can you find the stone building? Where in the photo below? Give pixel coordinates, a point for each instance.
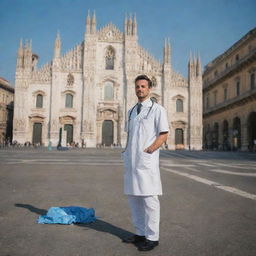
(6, 111)
(84, 94)
(229, 92)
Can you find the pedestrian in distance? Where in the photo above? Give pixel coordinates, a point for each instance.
(147, 129)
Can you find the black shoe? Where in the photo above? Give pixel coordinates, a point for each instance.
(148, 245)
(134, 239)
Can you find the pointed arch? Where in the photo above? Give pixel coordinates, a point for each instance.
(108, 90)
(110, 58)
(179, 105)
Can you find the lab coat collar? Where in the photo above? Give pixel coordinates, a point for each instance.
(146, 103)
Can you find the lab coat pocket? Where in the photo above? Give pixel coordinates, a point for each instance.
(145, 161)
(125, 159)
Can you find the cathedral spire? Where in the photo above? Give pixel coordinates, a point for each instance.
(93, 28)
(28, 54)
(191, 66)
(125, 25)
(198, 67)
(134, 26)
(57, 46)
(20, 55)
(88, 23)
(167, 51)
(20, 51)
(129, 29)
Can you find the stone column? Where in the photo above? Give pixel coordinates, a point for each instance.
(244, 134)
(115, 131)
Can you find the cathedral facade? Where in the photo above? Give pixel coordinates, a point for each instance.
(83, 96)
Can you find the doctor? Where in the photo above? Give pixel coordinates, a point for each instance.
(147, 129)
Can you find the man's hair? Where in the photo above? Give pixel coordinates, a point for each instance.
(144, 77)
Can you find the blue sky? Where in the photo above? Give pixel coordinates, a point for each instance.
(205, 27)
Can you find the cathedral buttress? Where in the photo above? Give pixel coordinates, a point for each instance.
(131, 60)
(195, 104)
(22, 80)
(88, 120)
(166, 83)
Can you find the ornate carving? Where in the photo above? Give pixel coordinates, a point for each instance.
(147, 62)
(88, 126)
(72, 60)
(110, 33)
(19, 125)
(70, 80)
(43, 74)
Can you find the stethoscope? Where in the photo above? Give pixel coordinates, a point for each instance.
(129, 119)
(146, 117)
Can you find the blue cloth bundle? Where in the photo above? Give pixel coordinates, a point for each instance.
(68, 215)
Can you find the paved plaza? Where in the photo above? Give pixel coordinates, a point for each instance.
(208, 207)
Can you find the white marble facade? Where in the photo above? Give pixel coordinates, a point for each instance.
(88, 90)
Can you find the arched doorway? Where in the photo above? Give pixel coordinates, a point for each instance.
(179, 138)
(208, 137)
(251, 128)
(69, 129)
(236, 133)
(107, 133)
(215, 136)
(37, 133)
(225, 133)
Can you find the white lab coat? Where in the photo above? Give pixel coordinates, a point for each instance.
(142, 174)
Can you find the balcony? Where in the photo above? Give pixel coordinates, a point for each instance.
(241, 63)
(230, 103)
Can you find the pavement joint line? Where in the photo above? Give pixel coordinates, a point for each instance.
(66, 163)
(214, 184)
(234, 166)
(208, 165)
(176, 154)
(233, 173)
(176, 165)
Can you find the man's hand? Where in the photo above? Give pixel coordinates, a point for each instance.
(149, 150)
(157, 143)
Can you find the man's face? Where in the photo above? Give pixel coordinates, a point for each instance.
(142, 90)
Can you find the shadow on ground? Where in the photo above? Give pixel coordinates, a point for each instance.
(99, 225)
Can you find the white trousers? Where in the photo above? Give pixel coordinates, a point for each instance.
(145, 215)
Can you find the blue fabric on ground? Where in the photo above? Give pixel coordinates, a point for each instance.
(67, 215)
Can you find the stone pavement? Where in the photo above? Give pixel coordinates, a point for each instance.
(195, 219)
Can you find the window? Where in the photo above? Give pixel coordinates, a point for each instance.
(215, 73)
(215, 94)
(69, 101)
(237, 57)
(39, 101)
(225, 93)
(109, 58)
(252, 80)
(237, 88)
(179, 105)
(108, 91)
(154, 82)
(226, 65)
(70, 80)
(207, 101)
(179, 138)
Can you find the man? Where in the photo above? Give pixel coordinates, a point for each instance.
(147, 129)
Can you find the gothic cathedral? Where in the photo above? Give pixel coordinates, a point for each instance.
(83, 96)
